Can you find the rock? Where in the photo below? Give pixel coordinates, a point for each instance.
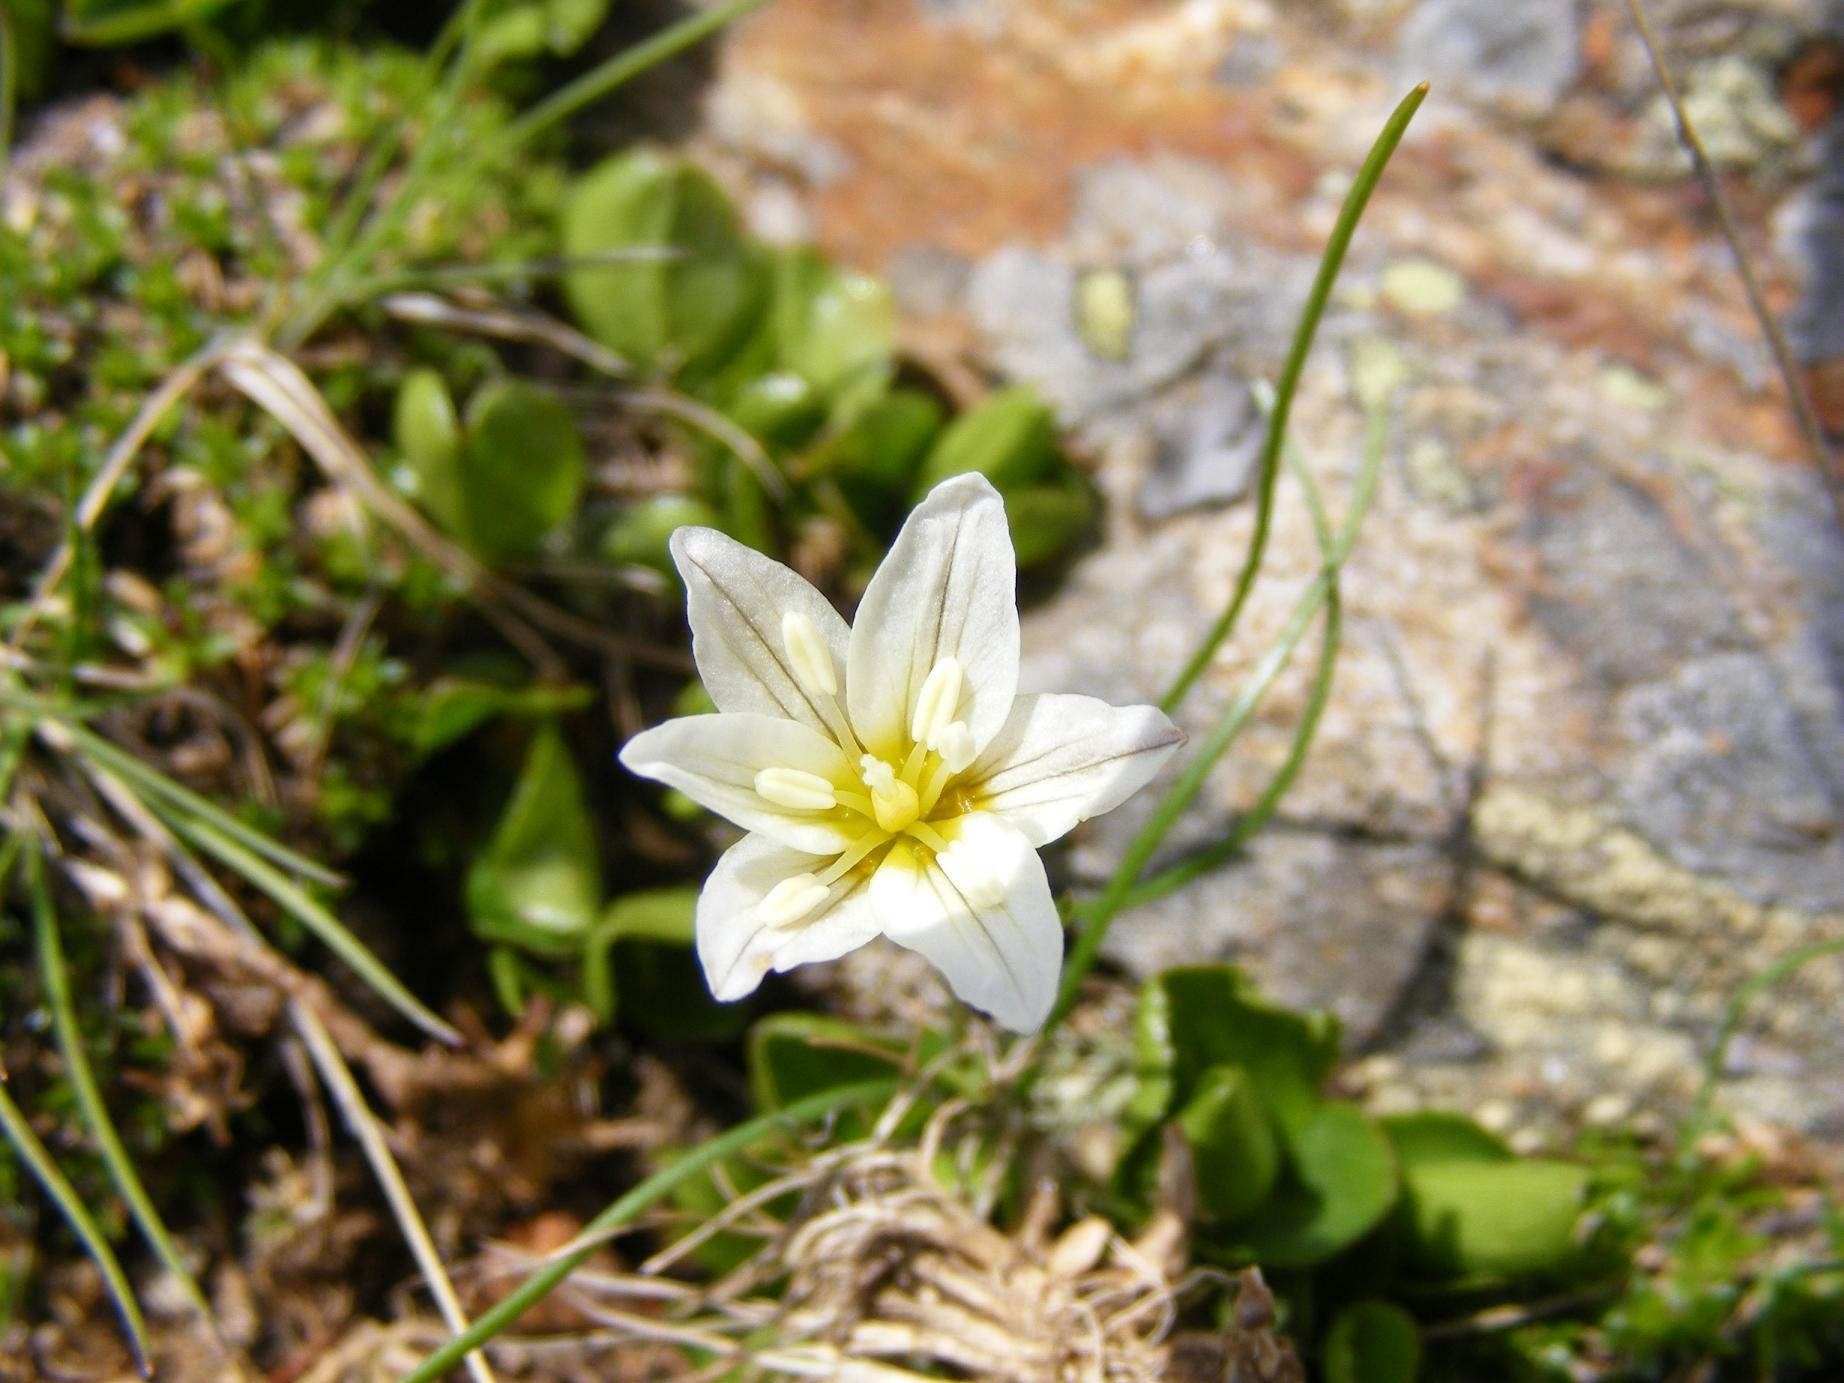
(1617, 587)
(1722, 777)
(1317, 918)
(1209, 440)
(1518, 57)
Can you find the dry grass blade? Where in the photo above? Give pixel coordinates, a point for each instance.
(276, 384)
(359, 1118)
(1803, 412)
(512, 324)
(115, 465)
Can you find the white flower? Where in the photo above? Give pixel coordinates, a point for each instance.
(891, 779)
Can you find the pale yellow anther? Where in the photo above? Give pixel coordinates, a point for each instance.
(791, 899)
(894, 803)
(955, 745)
(937, 702)
(808, 655)
(796, 788)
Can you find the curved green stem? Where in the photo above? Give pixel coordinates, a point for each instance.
(1289, 382)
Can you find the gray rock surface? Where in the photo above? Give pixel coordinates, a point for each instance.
(1522, 56)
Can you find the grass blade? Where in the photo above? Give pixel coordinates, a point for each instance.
(364, 1126)
(310, 914)
(660, 1184)
(1329, 264)
(55, 979)
(150, 780)
(623, 67)
(39, 1160)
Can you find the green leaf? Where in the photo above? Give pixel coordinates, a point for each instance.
(452, 707)
(1433, 1135)
(688, 310)
(1372, 1342)
(888, 442)
(522, 469)
(1010, 439)
(1339, 1183)
(779, 407)
(1234, 1152)
(1047, 520)
(1196, 1017)
(833, 327)
(428, 434)
(641, 533)
(541, 870)
(1466, 1219)
(794, 1055)
(651, 917)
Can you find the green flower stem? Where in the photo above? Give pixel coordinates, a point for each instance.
(623, 1211)
(1334, 548)
(1123, 888)
(55, 979)
(1329, 265)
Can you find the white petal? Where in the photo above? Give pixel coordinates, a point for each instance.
(947, 589)
(737, 948)
(1062, 759)
(735, 600)
(714, 760)
(1000, 950)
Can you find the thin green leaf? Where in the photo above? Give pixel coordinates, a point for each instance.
(36, 1157)
(150, 780)
(623, 67)
(1329, 264)
(55, 979)
(661, 1184)
(287, 895)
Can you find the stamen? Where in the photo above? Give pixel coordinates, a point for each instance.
(808, 655)
(937, 703)
(796, 788)
(894, 803)
(936, 785)
(927, 834)
(791, 899)
(859, 848)
(857, 801)
(912, 765)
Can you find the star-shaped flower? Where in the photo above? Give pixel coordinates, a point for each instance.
(890, 777)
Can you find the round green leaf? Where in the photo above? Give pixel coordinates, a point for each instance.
(540, 876)
(641, 533)
(1010, 439)
(429, 436)
(1464, 1219)
(1433, 1135)
(1340, 1181)
(1234, 1154)
(793, 1055)
(522, 469)
(832, 326)
(1047, 520)
(689, 309)
(1372, 1342)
